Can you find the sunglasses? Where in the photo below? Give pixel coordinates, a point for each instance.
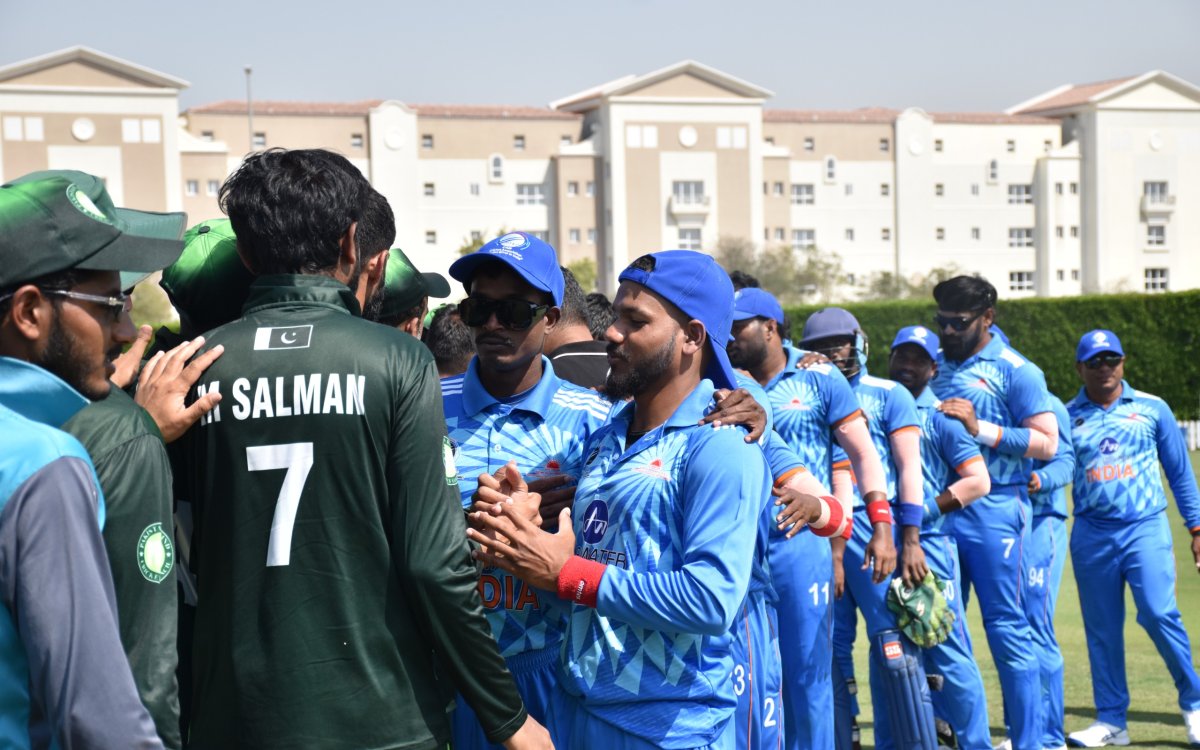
(1104, 360)
(957, 322)
(513, 314)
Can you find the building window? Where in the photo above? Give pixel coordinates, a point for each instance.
(1060, 275)
(34, 130)
(1157, 279)
(260, 140)
(689, 239)
(1047, 146)
(572, 189)
(830, 168)
(1058, 188)
(591, 235)
(565, 140)
(13, 131)
(769, 140)
(1155, 192)
(937, 145)
(1020, 281)
(151, 131)
(1020, 237)
(1010, 146)
(850, 279)
(356, 140)
(777, 189)
(192, 188)
(688, 192)
(883, 144)
(765, 186)
(530, 194)
(641, 136)
(975, 189)
(809, 144)
(1075, 231)
(885, 234)
(474, 188)
(993, 170)
(885, 189)
(496, 168)
(431, 238)
(214, 187)
(1156, 235)
(939, 190)
(1074, 188)
(476, 236)
(207, 135)
(849, 188)
(974, 233)
(804, 239)
(940, 233)
(540, 234)
(802, 194)
(429, 189)
(131, 131)
(779, 234)
(849, 235)
(426, 141)
(1058, 232)
(573, 236)
(590, 189)
(518, 143)
(1020, 194)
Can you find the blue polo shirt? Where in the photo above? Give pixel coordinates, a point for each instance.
(1055, 474)
(1006, 389)
(889, 408)
(1117, 454)
(945, 446)
(543, 430)
(675, 517)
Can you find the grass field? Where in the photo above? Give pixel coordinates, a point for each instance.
(1154, 718)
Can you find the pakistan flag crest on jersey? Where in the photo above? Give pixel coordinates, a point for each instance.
(155, 553)
(448, 461)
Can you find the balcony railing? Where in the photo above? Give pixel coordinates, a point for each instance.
(688, 205)
(1158, 206)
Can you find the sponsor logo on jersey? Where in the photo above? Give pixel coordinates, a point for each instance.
(283, 337)
(553, 468)
(892, 650)
(1109, 446)
(795, 405)
(1079, 421)
(1110, 472)
(595, 521)
(653, 468)
(155, 553)
(448, 461)
(983, 385)
(1135, 417)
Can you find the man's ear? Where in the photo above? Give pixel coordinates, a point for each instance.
(348, 249)
(694, 337)
(553, 315)
(31, 314)
(375, 268)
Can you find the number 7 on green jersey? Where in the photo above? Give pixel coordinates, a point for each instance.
(297, 458)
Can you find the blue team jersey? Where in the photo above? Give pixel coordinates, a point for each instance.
(1006, 389)
(1055, 474)
(945, 446)
(674, 516)
(806, 405)
(1117, 452)
(543, 430)
(889, 408)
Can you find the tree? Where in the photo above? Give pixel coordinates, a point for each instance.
(585, 273)
(478, 240)
(794, 276)
(885, 285)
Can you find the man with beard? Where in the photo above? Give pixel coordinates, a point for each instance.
(811, 408)
(511, 411)
(1003, 403)
(953, 475)
(657, 561)
(64, 677)
(337, 604)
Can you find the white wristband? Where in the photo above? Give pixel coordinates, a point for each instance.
(989, 434)
(823, 520)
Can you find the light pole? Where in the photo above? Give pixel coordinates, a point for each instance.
(249, 108)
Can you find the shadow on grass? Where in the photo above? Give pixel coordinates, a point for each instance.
(1149, 717)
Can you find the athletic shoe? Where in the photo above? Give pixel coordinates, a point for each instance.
(1099, 734)
(1006, 745)
(1191, 719)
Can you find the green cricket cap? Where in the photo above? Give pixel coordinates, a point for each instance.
(58, 220)
(209, 283)
(404, 286)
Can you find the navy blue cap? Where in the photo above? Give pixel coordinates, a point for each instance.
(756, 303)
(922, 337)
(1097, 342)
(533, 260)
(699, 287)
(829, 322)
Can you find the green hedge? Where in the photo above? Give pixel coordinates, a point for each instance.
(1159, 332)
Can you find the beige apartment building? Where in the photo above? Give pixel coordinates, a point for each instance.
(1081, 189)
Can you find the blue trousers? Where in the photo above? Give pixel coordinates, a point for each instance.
(1106, 556)
(536, 676)
(802, 574)
(1046, 558)
(574, 727)
(992, 535)
(757, 676)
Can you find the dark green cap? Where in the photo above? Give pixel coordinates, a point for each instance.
(55, 221)
(209, 283)
(404, 286)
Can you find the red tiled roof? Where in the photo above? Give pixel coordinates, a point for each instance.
(492, 112)
(1075, 95)
(361, 108)
(990, 118)
(866, 114)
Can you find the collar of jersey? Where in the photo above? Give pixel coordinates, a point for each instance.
(37, 394)
(789, 369)
(537, 399)
(275, 290)
(928, 399)
(1127, 394)
(990, 352)
(687, 414)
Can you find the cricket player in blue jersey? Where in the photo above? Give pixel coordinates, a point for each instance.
(953, 476)
(809, 407)
(1121, 436)
(657, 561)
(1044, 570)
(510, 406)
(895, 431)
(1003, 403)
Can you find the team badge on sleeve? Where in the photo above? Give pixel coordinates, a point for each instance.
(448, 460)
(155, 553)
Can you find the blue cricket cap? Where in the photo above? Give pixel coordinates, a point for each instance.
(699, 287)
(1096, 342)
(922, 337)
(756, 303)
(829, 322)
(532, 259)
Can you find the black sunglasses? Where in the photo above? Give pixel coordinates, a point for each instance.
(1104, 360)
(514, 314)
(957, 322)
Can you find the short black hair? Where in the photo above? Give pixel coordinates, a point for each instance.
(377, 227)
(449, 339)
(290, 209)
(59, 281)
(574, 304)
(742, 280)
(965, 294)
(600, 314)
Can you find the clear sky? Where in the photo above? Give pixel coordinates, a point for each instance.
(950, 55)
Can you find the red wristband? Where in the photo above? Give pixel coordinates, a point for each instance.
(579, 581)
(849, 528)
(832, 517)
(879, 511)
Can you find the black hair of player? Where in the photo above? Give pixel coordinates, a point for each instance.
(600, 314)
(574, 305)
(492, 268)
(376, 227)
(965, 294)
(450, 341)
(290, 209)
(742, 280)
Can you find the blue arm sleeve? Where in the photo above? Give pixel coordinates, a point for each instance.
(955, 443)
(720, 499)
(1058, 471)
(780, 457)
(1172, 452)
